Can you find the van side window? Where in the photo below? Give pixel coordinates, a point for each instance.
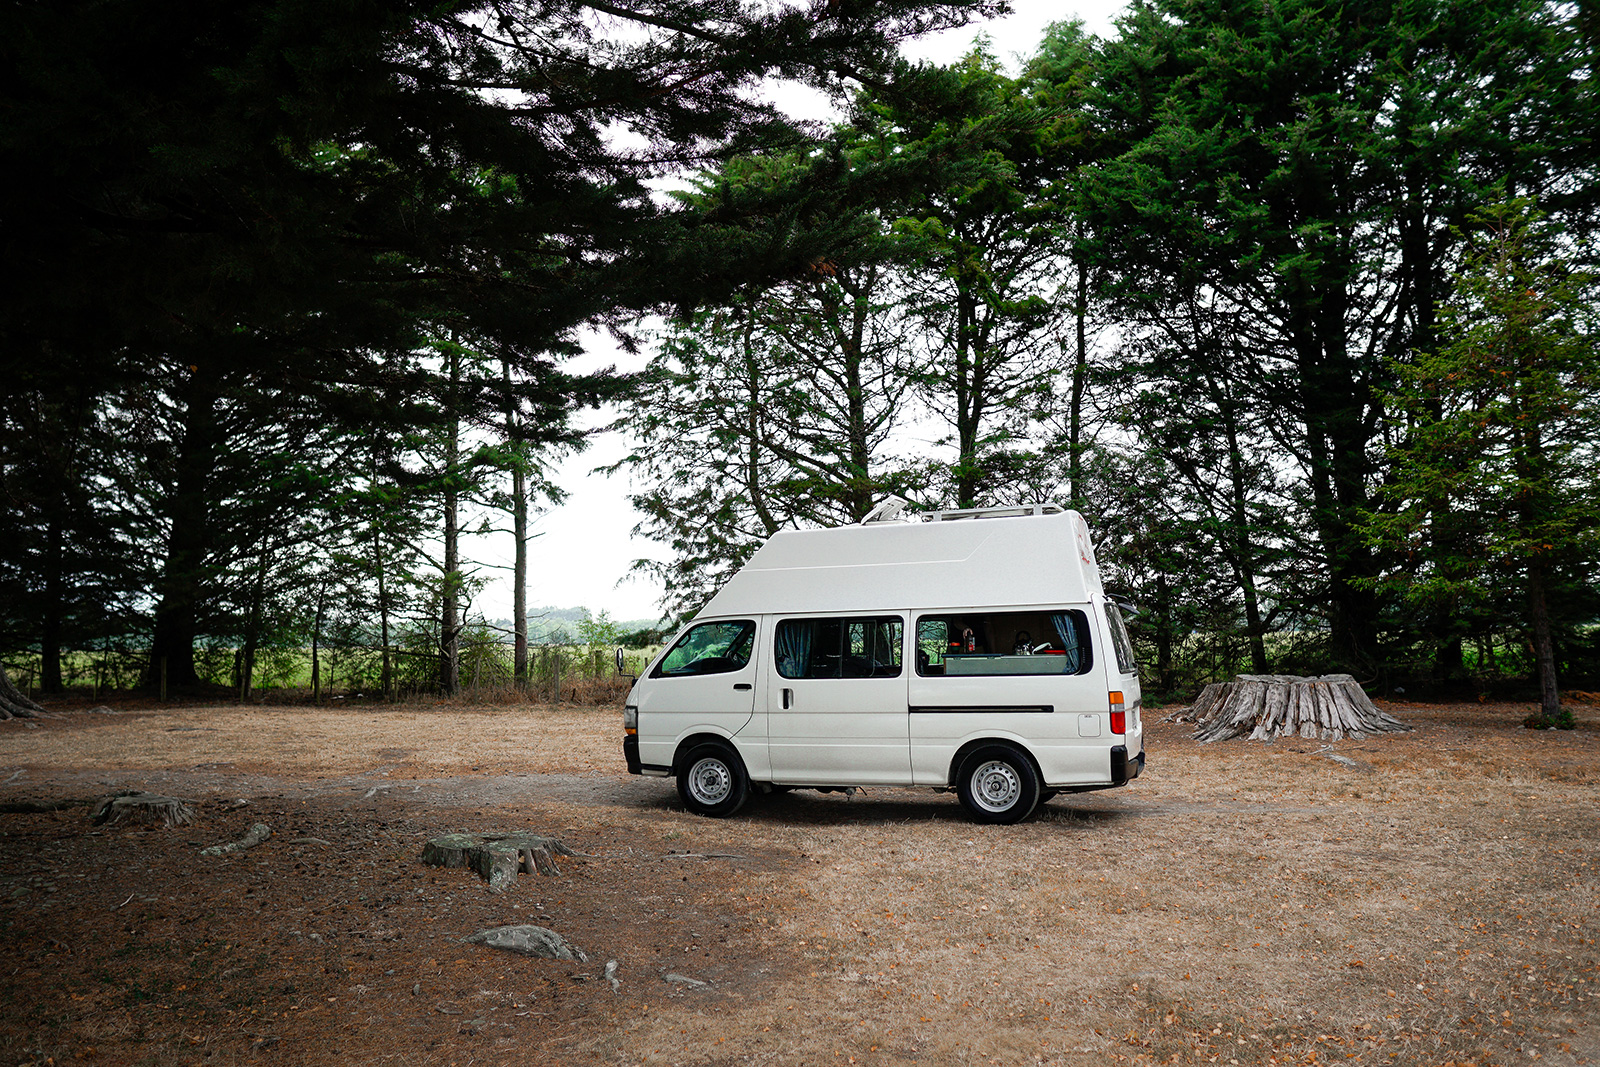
(1119, 640)
(1004, 642)
(710, 648)
(863, 647)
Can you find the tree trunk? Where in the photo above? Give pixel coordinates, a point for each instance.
(189, 535)
(386, 678)
(1080, 381)
(1242, 551)
(252, 631)
(54, 604)
(14, 703)
(519, 531)
(1276, 705)
(1544, 653)
(449, 616)
(316, 651)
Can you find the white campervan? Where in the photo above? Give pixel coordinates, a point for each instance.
(971, 650)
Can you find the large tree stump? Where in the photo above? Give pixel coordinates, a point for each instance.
(498, 858)
(1277, 705)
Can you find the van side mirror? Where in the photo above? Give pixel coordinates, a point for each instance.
(622, 663)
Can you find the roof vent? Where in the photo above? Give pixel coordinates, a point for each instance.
(893, 509)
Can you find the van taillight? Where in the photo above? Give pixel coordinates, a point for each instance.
(1119, 717)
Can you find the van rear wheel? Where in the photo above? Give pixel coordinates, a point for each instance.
(998, 785)
(712, 780)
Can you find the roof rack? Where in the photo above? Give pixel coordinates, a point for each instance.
(1013, 511)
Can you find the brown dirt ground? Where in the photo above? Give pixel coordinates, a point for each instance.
(1239, 904)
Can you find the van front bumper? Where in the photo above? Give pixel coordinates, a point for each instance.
(630, 752)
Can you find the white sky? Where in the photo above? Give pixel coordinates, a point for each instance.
(582, 555)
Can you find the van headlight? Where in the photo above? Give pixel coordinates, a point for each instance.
(630, 718)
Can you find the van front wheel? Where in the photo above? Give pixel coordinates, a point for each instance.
(998, 785)
(712, 781)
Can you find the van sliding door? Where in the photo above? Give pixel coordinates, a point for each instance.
(836, 699)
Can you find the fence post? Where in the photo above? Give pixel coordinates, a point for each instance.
(163, 679)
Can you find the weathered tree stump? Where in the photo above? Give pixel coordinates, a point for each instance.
(132, 805)
(527, 940)
(258, 834)
(498, 858)
(1277, 705)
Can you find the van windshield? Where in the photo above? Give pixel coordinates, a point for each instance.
(710, 648)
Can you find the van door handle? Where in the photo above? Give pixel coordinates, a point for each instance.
(788, 698)
(742, 687)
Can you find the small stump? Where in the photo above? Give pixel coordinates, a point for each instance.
(135, 806)
(498, 858)
(1277, 705)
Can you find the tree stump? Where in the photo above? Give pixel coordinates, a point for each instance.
(132, 805)
(1277, 705)
(498, 858)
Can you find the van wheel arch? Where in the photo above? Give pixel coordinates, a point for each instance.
(694, 741)
(970, 747)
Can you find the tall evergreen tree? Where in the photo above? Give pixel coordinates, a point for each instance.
(1505, 427)
(1272, 158)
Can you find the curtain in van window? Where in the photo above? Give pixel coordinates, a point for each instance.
(1069, 640)
(794, 640)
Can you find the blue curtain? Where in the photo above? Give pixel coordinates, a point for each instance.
(795, 637)
(1069, 640)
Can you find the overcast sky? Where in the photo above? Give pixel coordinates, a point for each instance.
(585, 548)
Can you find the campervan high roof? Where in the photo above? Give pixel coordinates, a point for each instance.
(1031, 555)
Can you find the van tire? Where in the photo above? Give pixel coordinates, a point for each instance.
(712, 780)
(998, 785)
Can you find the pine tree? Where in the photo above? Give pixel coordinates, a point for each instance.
(1298, 167)
(1505, 427)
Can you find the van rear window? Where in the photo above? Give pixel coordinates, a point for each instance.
(859, 647)
(1004, 642)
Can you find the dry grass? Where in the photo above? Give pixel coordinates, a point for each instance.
(1240, 903)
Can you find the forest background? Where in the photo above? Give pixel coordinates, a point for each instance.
(1295, 302)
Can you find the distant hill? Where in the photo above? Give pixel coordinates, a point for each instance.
(548, 622)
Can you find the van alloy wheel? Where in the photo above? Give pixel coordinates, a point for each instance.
(998, 784)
